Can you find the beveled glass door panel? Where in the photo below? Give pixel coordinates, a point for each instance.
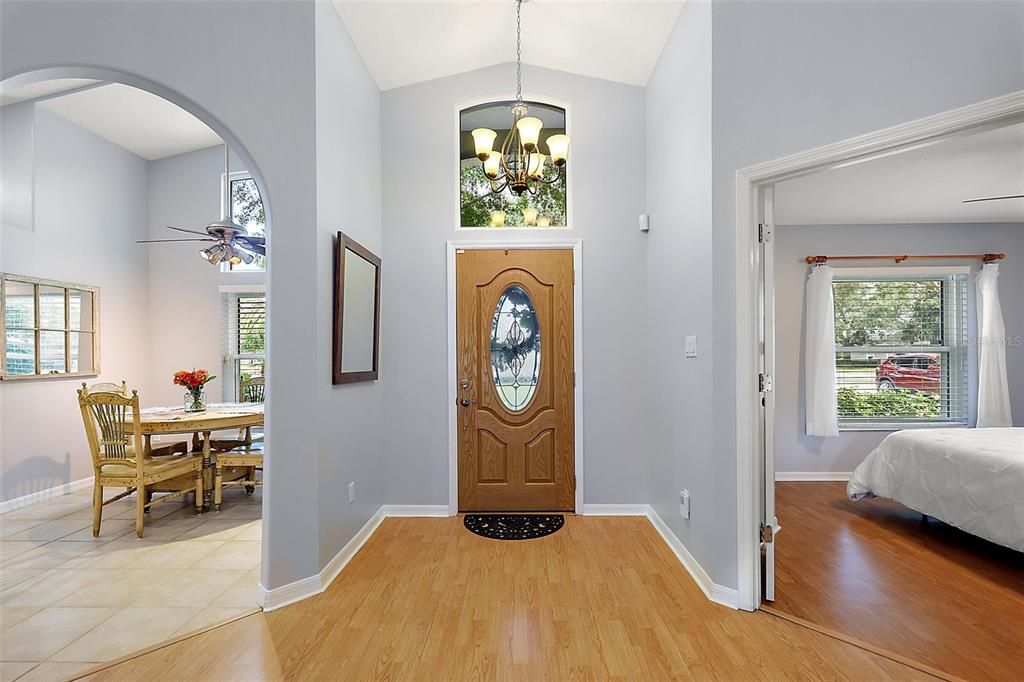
(515, 383)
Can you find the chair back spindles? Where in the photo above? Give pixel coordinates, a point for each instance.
(106, 416)
(251, 390)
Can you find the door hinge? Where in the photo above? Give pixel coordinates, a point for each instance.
(574, 276)
(767, 534)
(764, 233)
(574, 378)
(765, 383)
(574, 481)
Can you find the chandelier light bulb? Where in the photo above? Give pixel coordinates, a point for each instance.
(497, 219)
(529, 131)
(536, 165)
(483, 140)
(543, 221)
(492, 165)
(530, 216)
(558, 146)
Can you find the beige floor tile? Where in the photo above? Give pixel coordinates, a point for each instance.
(12, 615)
(126, 631)
(211, 615)
(253, 531)
(12, 526)
(50, 587)
(13, 670)
(52, 671)
(213, 529)
(170, 528)
(233, 554)
(117, 553)
(9, 550)
(45, 633)
(49, 531)
(187, 588)
(240, 511)
(121, 587)
(110, 529)
(11, 577)
(242, 594)
(51, 555)
(175, 555)
(46, 511)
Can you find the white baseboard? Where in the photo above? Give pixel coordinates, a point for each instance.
(428, 510)
(813, 475)
(43, 495)
(615, 509)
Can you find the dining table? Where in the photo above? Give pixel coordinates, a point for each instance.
(156, 421)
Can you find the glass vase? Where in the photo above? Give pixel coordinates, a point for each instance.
(195, 401)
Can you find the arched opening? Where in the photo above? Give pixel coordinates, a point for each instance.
(87, 194)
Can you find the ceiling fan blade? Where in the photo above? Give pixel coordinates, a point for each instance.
(1008, 196)
(182, 229)
(167, 241)
(255, 248)
(252, 239)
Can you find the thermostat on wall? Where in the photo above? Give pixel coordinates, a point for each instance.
(645, 222)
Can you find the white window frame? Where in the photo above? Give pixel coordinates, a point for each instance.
(506, 96)
(230, 295)
(956, 348)
(37, 282)
(225, 201)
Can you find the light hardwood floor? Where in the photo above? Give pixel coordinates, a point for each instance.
(424, 599)
(870, 569)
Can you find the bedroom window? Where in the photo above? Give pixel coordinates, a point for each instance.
(50, 329)
(900, 349)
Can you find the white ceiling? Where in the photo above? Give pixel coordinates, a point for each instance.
(41, 89)
(923, 185)
(410, 41)
(136, 120)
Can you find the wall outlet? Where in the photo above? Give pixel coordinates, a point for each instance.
(690, 347)
(351, 492)
(684, 503)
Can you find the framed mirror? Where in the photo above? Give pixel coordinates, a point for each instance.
(356, 346)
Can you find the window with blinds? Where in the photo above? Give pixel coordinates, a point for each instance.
(901, 350)
(245, 342)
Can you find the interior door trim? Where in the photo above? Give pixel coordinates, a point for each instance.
(576, 245)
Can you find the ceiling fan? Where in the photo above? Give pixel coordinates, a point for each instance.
(232, 243)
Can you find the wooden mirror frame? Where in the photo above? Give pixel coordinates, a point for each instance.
(345, 243)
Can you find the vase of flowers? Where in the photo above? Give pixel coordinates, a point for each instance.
(194, 381)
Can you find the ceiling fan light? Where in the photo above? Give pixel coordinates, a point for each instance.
(529, 131)
(246, 256)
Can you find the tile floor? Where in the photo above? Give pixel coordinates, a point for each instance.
(69, 601)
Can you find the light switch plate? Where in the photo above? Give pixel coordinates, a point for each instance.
(690, 347)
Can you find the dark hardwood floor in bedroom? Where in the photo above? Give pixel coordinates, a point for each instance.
(872, 570)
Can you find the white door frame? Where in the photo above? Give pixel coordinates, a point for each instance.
(577, 303)
(751, 487)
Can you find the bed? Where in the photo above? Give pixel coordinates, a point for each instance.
(969, 478)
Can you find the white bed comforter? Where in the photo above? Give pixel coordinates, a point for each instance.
(970, 478)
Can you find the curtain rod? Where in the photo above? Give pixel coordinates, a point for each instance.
(987, 257)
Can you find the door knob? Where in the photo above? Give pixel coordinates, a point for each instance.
(466, 402)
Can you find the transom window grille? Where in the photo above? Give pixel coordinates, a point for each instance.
(247, 211)
(49, 328)
(901, 349)
(245, 343)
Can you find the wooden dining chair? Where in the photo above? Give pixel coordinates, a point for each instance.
(237, 467)
(113, 427)
(179, 447)
(249, 391)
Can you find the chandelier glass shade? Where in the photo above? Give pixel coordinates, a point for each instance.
(520, 164)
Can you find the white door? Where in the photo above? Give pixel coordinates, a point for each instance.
(769, 523)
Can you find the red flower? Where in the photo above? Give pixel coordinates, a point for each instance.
(193, 380)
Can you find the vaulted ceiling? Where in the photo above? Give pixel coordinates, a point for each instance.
(409, 41)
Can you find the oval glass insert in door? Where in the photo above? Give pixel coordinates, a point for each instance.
(515, 348)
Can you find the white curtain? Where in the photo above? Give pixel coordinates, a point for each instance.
(993, 389)
(820, 355)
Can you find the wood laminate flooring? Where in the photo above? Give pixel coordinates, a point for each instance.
(425, 599)
(872, 570)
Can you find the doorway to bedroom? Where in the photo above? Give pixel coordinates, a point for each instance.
(893, 394)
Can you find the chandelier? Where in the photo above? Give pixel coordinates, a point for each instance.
(520, 165)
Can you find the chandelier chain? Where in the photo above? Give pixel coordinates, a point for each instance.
(519, 51)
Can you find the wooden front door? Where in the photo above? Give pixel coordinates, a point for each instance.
(514, 335)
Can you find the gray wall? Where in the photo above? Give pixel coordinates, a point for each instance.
(90, 198)
(351, 419)
(185, 191)
(419, 215)
(679, 407)
(794, 450)
(267, 112)
(790, 76)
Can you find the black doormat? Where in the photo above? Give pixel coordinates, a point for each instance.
(514, 526)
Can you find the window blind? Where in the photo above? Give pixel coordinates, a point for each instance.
(245, 339)
(901, 350)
